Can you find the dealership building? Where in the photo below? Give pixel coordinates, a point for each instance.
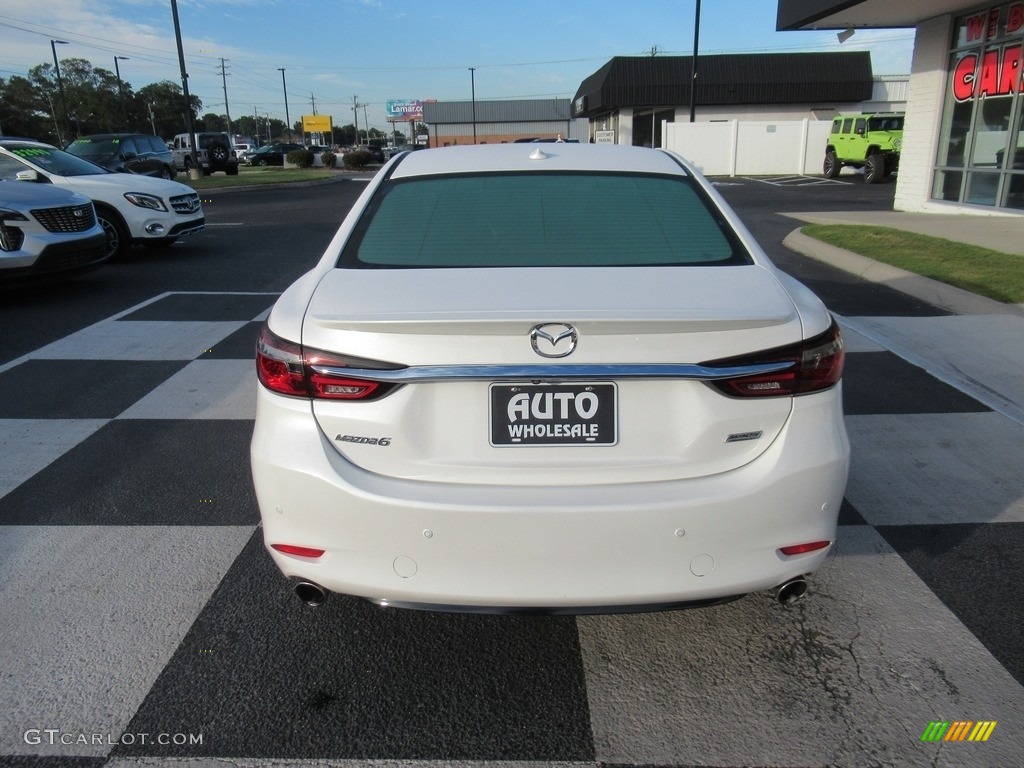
(963, 140)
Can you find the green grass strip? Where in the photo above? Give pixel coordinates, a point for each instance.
(997, 275)
(248, 176)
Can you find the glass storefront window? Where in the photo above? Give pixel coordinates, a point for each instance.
(947, 185)
(982, 129)
(1015, 191)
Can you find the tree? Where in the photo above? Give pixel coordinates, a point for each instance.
(214, 123)
(345, 134)
(246, 125)
(95, 103)
(91, 96)
(26, 112)
(163, 107)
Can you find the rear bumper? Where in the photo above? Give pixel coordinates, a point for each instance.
(450, 546)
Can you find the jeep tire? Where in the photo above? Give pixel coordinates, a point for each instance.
(218, 154)
(832, 166)
(874, 168)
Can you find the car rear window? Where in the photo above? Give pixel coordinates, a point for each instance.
(541, 219)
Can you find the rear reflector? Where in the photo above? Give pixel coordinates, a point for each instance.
(292, 549)
(817, 364)
(800, 549)
(287, 369)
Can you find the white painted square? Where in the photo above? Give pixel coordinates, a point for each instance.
(856, 341)
(979, 354)
(908, 469)
(852, 675)
(27, 446)
(140, 340)
(91, 615)
(203, 389)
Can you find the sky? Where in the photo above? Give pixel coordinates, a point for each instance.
(338, 52)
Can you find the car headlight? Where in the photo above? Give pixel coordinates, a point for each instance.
(145, 201)
(11, 238)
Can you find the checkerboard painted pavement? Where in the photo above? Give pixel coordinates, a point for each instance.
(142, 624)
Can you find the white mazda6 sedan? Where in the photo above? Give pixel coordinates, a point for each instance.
(559, 378)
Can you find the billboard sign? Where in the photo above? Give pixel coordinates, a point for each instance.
(316, 123)
(404, 110)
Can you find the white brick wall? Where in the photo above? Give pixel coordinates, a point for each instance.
(924, 115)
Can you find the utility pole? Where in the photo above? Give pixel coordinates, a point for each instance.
(195, 172)
(287, 117)
(120, 89)
(224, 81)
(472, 83)
(693, 68)
(355, 113)
(60, 88)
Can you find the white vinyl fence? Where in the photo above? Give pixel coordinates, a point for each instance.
(748, 148)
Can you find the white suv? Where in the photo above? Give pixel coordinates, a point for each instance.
(213, 152)
(130, 208)
(46, 231)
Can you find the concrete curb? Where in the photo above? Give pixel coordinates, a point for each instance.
(944, 296)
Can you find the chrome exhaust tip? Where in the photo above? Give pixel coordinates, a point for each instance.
(311, 594)
(791, 591)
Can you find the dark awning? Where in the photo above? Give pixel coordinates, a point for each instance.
(746, 78)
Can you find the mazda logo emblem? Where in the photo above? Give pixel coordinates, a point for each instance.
(553, 339)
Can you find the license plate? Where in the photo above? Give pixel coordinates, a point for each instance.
(553, 414)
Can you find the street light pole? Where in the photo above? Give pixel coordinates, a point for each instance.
(472, 83)
(120, 89)
(287, 118)
(693, 67)
(60, 88)
(195, 172)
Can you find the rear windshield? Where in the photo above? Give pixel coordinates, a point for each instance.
(207, 140)
(541, 219)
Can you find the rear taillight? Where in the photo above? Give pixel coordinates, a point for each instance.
(289, 369)
(817, 364)
(295, 549)
(803, 549)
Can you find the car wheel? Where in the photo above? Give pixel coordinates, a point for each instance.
(218, 153)
(167, 173)
(832, 165)
(874, 168)
(263, 162)
(118, 239)
(188, 165)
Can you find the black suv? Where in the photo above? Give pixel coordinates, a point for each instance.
(126, 152)
(271, 154)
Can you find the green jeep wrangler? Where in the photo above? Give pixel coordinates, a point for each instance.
(870, 141)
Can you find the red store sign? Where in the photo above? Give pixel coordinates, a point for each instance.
(996, 71)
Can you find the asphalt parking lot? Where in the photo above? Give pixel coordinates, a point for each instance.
(143, 624)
